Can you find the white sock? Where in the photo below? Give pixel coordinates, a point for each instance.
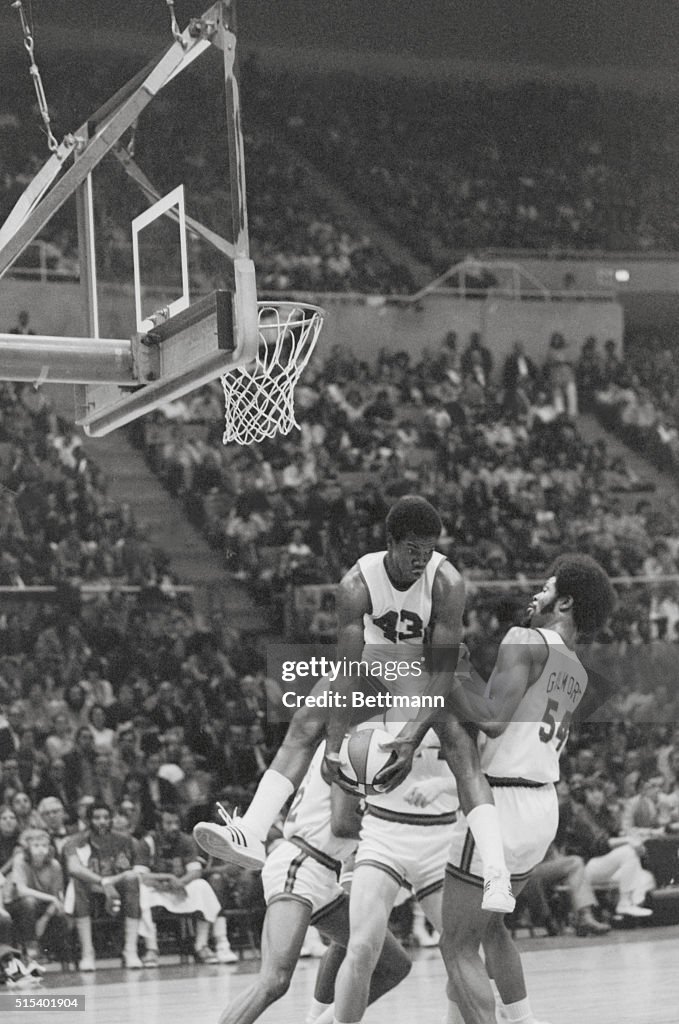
(270, 797)
(484, 822)
(219, 931)
(315, 1010)
(518, 1013)
(202, 933)
(320, 1013)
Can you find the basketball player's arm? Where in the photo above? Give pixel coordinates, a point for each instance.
(424, 792)
(520, 660)
(447, 608)
(353, 602)
(345, 814)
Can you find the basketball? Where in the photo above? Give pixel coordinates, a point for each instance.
(361, 757)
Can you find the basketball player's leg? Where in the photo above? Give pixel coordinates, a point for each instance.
(503, 960)
(241, 839)
(464, 929)
(503, 964)
(476, 800)
(285, 925)
(323, 1004)
(393, 964)
(373, 893)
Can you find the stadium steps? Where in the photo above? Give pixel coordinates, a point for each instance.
(665, 485)
(130, 481)
(359, 217)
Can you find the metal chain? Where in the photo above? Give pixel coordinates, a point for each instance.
(131, 145)
(35, 75)
(175, 25)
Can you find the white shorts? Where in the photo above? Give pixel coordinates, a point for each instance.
(293, 873)
(529, 817)
(414, 854)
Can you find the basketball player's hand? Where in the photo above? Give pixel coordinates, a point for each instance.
(422, 793)
(398, 768)
(330, 770)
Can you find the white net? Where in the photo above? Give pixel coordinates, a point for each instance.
(260, 397)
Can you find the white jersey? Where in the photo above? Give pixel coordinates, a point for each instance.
(530, 746)
(309, 817)
(427, 764)
(395, 627)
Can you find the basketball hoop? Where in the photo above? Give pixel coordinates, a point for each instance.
(260, 397)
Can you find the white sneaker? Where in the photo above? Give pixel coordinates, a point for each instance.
(87, 963)
(233, 841)
(225, 955)
(631, 910)
(497, 894)
(131, 961)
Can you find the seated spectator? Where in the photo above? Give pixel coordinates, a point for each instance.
(323, 626)
(102, 736)
(38, 906)
(194, 792)
(53, 816)
(53, 784)
(108, 787)
(9, 838)
(298, 555)
(136, 796)
(644, 814)
(6, 923)
(541, 411)
(168, 711)
(98, 690)
(61, 737)
(11, 726)
(79, 764)
(519, 379)
(174, 881)
(476, 359)
(101, 866)
(609, 859)
(300, 473)
(26, 815)
(561, 869)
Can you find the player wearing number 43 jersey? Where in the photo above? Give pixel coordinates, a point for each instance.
(535, 688)
(400, 607)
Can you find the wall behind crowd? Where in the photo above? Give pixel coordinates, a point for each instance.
(359, 324)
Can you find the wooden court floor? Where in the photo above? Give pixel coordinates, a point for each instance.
(629, 978)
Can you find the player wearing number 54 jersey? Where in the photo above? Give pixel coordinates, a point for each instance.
(536, 686)
(395, 608)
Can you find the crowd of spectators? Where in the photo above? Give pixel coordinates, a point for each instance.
(527, 165)
(115, 701)
(639, 398)
(464, 165)
(497, 452)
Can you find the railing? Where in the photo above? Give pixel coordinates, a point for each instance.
(96, 588)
